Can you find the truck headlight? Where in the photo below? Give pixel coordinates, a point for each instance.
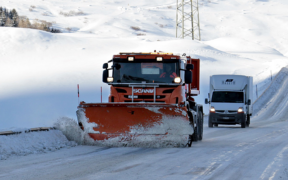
(110, 79)
(212, 110)
(240, 110)
(177, 80)
(159, 59)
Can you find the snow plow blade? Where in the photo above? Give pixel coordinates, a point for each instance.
(108, 120)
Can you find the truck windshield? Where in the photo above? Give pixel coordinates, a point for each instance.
(138, 72)
(226, 96)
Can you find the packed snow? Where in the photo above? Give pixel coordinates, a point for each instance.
(40, 72)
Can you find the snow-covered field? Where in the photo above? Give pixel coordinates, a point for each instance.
(40, 70)
(39, 73)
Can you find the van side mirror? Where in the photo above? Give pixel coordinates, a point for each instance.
(188, 77)
(206, 101)
(249, 102)
(105, 65)
(189, 66)
(105, 76)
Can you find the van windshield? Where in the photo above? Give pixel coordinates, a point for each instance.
(149, 72)
(227, 96)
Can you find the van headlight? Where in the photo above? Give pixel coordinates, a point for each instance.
(177, 80)
(110, 79)
(212, 110)
(240, 110)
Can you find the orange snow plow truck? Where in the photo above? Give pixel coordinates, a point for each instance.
(151, 95)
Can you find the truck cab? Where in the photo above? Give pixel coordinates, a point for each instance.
(148, 77)
(229, 100)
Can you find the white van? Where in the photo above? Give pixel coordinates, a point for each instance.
(230, 100)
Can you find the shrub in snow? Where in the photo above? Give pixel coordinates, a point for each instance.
(12, 19)
(32, 7)
(71, 13)
(68, 29)
(8, 18)
(45, 14)
(135, 28)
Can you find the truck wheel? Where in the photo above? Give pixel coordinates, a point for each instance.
(200, 126)
(243, 123)
(210, 124)
(189, 143)
(195, 134)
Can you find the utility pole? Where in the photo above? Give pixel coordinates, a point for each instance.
(187, 19)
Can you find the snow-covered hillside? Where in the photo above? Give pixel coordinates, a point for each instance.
(40, 70)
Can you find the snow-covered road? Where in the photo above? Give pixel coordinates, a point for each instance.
(227, 152)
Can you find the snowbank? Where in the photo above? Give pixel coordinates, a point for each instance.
(273, 101)
(33, 143)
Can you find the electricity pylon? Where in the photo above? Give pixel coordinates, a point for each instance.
(187, 19)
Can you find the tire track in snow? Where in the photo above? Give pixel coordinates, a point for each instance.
(241, 153)
(274, 167)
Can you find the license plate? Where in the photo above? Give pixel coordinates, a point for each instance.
(225, 117)
(130, 96)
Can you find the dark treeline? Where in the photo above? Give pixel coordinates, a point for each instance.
(10, 18)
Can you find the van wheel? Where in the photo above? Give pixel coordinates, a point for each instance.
(248, 121)
(243, 123)
(210, 124)
(216, 125)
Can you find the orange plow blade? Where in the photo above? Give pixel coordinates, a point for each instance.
(108, 120)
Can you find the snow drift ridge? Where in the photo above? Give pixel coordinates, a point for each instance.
(273, 101)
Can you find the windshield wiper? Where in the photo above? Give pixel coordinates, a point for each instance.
(134, 78)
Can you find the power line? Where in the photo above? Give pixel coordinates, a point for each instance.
(187, 19)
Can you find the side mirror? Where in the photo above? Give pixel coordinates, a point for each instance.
(188, 77)
(206, 101)
(105, 65)
(117, 66)
(105, 76)
(189, 66)
(249, 102)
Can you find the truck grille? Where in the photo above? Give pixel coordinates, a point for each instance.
(145, 97)
(140, 100)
